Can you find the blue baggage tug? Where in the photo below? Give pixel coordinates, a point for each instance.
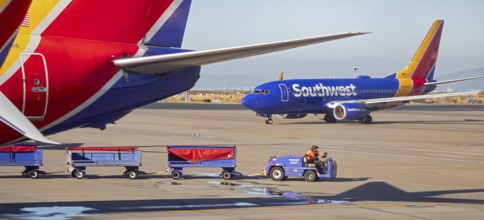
(28, 156)
(279, 168)
(78, 158)
(180, 157)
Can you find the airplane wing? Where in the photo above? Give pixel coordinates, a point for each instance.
(158, 64)
(11, 116)
(452, 80)
(375, 102)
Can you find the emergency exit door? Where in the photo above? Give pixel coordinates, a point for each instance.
(35, 82)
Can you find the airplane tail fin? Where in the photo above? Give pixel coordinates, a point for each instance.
(158, 23)
(422, 66)
(281, 76)
(11, 15)
(169, 29)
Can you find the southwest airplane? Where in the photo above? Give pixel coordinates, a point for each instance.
(356, 98)
(88, 63)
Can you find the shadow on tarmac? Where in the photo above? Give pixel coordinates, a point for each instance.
(373, 191)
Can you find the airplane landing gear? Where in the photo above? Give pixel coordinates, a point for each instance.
(269, 120)
(366, 120)
(329, 118)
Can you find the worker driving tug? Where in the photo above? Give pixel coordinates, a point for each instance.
(311, 159)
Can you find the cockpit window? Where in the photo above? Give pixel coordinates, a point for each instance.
(260, 91)
(256, 91)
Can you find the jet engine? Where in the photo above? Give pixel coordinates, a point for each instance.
(350, 111)
(292, 116)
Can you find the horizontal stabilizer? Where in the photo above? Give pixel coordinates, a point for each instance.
(11, 116)
(452, 80)
(158, 64)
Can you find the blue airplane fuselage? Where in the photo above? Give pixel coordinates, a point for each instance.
(313, 95)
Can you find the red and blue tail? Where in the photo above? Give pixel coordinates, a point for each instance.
(153, 22)
(12, 13)
(421, 68)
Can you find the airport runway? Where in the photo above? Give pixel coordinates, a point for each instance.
(409, 164)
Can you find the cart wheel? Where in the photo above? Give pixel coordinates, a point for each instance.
(132, 174)
(175, 174)
(33, 174)
(226, 175)
(310, 176)
(78, 174)
(277, 174)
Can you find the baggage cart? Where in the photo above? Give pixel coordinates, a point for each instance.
(180, 157)
(28, 156)
(78, 158)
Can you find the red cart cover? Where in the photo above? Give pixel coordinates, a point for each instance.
(102, 148)
(203, 154)
(18, 149)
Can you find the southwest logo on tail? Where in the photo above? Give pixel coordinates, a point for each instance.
(88, 63)
(353, 99)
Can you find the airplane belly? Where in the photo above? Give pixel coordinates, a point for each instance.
(124, 96)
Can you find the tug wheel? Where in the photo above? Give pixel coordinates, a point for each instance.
(277, 174)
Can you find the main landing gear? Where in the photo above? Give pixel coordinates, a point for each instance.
(366, 120)
(329, 118)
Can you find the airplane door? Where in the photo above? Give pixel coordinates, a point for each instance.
(35, 85)
(284, 92)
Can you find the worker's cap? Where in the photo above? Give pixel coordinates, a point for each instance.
(314, 147)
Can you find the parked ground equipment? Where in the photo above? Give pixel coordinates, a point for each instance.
(180, 157)
(78, 158)
(280, 168)
(28, 156)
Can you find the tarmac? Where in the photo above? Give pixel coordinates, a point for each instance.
(420, 163)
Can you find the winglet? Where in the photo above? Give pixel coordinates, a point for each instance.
(281, 75)
(11, 116)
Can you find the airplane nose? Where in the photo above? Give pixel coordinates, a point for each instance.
(248, 101)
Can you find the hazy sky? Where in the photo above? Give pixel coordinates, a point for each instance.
(397, 27)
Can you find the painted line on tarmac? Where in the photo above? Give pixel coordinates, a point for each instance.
(437, 151)
(446, 155)
(399, 155)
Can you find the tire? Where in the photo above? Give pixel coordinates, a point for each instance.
(226, 175)
(34, 174)
(366, 120)
(277, 174)
(78, 174)
(329, 118)
(310, 176)
(132, 174)
(269, 121)
(175, 174)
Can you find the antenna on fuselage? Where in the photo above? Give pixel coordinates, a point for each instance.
(355, 68)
